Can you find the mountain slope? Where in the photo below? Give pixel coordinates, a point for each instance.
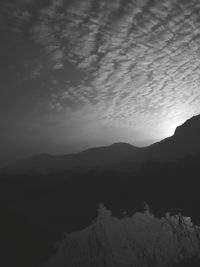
(185, 141)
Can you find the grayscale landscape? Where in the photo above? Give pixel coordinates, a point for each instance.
(100, 133)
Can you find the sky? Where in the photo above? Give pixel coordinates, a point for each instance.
(83, 73)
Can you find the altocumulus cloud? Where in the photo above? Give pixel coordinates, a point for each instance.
(140, 58)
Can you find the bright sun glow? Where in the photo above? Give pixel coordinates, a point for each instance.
(170, 126)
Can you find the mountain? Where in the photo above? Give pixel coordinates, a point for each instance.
(185, 141)
(101, 157)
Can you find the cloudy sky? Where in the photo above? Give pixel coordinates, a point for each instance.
(83, 73)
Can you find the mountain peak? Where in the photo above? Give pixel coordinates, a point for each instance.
(191, 126)
(121, 144)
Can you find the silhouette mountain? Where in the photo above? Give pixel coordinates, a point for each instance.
(102, 157)
(185, 141)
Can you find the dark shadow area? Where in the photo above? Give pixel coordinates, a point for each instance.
(37, 209)
(192, 262)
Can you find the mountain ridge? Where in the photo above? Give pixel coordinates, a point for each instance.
(185, 141)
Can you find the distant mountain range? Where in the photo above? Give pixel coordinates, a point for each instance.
(185, 141)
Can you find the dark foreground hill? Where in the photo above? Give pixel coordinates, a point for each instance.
(140, 240)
